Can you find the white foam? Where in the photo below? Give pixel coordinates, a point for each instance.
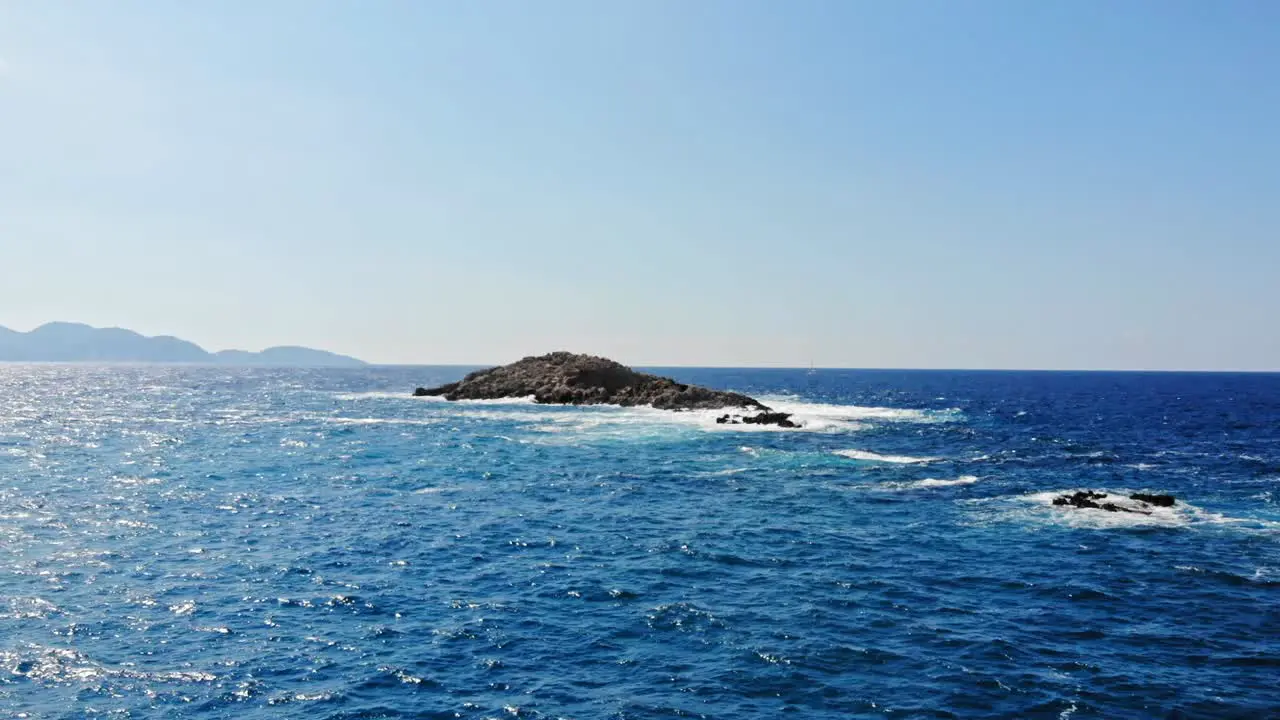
(723, 473)
(925, 484)
(854, 413)
(934, 482)
(471, 403)
(374, 395)
(1039, 507)
(867, 456)
(382, 421)
(811, 417)
(185, 607)
(402, 395)
(694, 419)
(818, 414)
(1144, 516)
(465, 413)
(624, 421)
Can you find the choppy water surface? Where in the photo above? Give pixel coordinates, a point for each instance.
(212, 543)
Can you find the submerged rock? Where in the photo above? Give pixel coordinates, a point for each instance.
(1088, 499)
(564, 378)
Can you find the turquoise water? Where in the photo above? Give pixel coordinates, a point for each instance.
(219, 543)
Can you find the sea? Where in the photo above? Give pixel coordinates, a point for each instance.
(200, 542)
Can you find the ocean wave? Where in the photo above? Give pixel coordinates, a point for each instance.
(811, 416)
(436, 489)
(722, 473)
(925, 484)
(1261, 575)
(472, 403)
(622, 422)
(382, 421)
(408, 395)
(64, 666)
(867, 456)
(374, 395)
(855, 413)
(28, 608)
(935, 482)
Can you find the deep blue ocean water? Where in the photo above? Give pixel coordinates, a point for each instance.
(214, 543)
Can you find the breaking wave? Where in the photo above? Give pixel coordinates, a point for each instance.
(868, 456)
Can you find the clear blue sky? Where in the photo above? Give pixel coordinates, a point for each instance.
(1072, 184)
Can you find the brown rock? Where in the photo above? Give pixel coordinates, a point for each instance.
(568, 379)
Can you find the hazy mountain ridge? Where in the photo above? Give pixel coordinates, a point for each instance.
(76, 342)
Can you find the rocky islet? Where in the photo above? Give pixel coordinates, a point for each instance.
(564, 378)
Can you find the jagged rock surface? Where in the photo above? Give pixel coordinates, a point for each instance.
(1157, 500)
(569, 379)
(768, 417)
(1086, 499)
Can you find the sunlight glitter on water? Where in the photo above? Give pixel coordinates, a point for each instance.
(265, 544)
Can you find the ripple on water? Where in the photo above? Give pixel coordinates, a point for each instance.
(259, 543)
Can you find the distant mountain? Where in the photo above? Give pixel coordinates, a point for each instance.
(75, 342)
(286, 355)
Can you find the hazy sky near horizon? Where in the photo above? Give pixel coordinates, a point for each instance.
(1087, 184)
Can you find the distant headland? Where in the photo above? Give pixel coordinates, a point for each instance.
(76, 342)
(564, 378)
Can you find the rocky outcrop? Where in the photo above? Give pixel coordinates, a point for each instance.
(1087, 499)
(569, 379)
(1157, 500)
(768, 417)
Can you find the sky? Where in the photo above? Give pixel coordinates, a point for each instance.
(1082, 184)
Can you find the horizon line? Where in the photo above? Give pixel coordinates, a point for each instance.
(663, 366)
